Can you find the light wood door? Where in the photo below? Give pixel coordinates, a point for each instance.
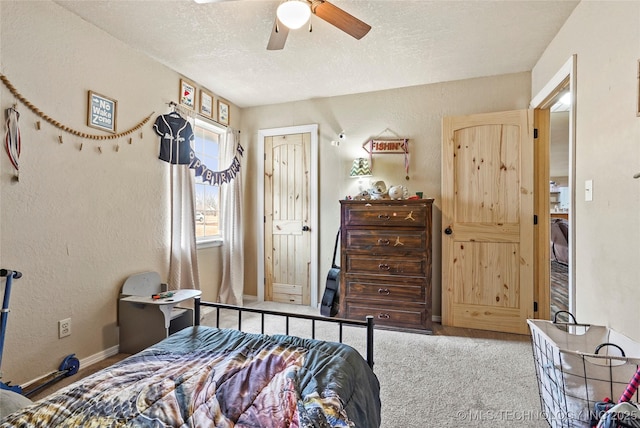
(287, 217)
(487, 221)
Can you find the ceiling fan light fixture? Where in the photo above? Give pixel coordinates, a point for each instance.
(294, 13)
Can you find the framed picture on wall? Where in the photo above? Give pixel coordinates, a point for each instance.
(206, 103)
(223, 112)
(187, 94)
(102, 112)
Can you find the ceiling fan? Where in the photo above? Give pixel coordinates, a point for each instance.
(300, 11)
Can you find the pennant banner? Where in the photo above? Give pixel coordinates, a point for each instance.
(216, 178)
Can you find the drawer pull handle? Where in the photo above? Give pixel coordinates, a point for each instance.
(383, 316)
(383, 217)
(384, 291)
(383, 266)
(384, 242)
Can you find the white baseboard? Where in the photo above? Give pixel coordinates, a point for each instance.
(96, 358)
(85, 362)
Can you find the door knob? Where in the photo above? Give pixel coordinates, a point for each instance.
(305, 228)
(448, 231)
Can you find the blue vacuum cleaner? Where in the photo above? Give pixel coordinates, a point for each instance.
(69, 365)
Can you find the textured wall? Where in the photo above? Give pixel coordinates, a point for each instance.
(415, 113)
(605, 38)
(79, 221)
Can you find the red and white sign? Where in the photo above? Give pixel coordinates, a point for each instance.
(400, 145)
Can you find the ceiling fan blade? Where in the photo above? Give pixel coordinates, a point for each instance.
(339, 18)
(278, 36)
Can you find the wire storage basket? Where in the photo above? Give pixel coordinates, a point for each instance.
(578, 365)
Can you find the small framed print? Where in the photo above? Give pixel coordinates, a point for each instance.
(187, 94)
(206, 103)
(102, 112)
(223, 112)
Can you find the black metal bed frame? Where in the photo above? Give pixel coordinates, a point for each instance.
(368, 323)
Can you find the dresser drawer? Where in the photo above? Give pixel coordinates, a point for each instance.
(386, 241)
(395, 215)
(406, 316)
(364, 263)
(371, 288)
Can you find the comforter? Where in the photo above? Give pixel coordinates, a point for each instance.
(209, 377)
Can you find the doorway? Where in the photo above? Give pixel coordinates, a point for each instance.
(559, 202)
(555, 194)
(283, 275)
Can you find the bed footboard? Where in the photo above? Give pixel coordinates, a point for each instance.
(367, 324)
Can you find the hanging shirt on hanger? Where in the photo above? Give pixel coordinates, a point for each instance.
(176, 136)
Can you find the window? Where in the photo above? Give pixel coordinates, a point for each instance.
(207, 209)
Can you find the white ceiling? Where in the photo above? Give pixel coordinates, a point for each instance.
(222, 46)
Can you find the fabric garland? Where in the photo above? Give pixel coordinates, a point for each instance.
(13, 142)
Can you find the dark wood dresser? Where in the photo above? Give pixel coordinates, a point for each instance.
(385, 264)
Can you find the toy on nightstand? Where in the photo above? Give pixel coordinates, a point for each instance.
(398, 192)
(379, 191)
(362, 196)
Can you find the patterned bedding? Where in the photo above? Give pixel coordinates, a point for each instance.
(209, 377)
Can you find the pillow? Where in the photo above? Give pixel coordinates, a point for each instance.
(11, 402)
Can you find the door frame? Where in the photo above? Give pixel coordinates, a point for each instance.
(567, 73)
(313, 205)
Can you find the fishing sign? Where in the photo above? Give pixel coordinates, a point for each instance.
(388, 146)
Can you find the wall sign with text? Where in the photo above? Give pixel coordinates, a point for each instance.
(102, 112)
(388, 146)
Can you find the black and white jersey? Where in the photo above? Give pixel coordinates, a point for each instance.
(176, 138)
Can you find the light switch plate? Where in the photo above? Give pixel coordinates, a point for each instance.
(588, 190)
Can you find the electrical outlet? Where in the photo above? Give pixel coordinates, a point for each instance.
(64, 328)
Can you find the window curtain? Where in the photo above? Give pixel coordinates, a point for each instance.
(183, 264)
(232, 286)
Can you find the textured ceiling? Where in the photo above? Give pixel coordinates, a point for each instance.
(222, 46)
